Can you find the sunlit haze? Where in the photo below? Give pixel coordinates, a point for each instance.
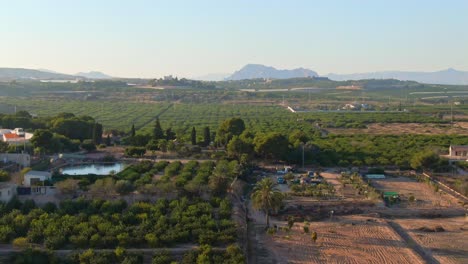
(194, 38)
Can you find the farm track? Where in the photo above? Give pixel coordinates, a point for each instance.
(412, 243)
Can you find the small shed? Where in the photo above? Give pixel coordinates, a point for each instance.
(34, 178)
(375, 176)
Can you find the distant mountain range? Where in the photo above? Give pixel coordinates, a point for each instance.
(19, 73)
(449, 76)
(9, 74)
(94, 75)
(254, 71)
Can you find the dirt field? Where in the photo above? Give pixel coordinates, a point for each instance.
(459, 128)
(352, 239)
(450, 246)
(377, 234)
(424, 195)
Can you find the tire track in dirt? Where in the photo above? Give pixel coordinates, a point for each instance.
(412, 243)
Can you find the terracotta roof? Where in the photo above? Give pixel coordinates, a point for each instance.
(11, 136)
(459, 147)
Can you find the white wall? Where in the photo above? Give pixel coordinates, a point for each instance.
(28, 177)
(7, 192)
(22, 159)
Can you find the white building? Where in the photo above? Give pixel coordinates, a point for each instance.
(7, 191)
(16, 136)
(24, 160)
(35, 178)
(458, 151)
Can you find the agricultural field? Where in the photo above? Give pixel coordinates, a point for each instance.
(113, 115)
(351, 239)
(424, 194)
(258, 118)
(448, 244)
(458, 128)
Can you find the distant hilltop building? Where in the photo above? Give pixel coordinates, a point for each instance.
(356, 106)
(168, 78)
(320, 78)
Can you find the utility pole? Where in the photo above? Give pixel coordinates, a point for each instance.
(451, 113)
(302, 156)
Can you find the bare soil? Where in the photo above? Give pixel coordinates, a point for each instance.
(351, 239)
(449, 246)
(425, 196)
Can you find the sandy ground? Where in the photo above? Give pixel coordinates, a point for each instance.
(352, 239)
(459, 128)
(450, 246)
(425, 196)
(368, 238)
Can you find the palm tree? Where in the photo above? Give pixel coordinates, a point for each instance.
(266, 197)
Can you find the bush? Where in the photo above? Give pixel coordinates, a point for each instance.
(162, 257)
(4, 176)
(271, 231)
(6, 233)
(21, 242)
(135, 151)
(88, 145)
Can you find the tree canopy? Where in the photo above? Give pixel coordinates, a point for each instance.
(266, 197)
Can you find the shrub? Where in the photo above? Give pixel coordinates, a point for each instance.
(4, 176)
(162, 257)
(88, 145)
(291, 221)
(314, 236)
(21, 242)
(271, 231)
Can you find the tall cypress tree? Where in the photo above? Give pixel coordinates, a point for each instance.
(206, 136)
(169, 134)
(158, 133)
(132, 131)
(194, 136)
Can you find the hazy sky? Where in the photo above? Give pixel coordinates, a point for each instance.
(191, 38)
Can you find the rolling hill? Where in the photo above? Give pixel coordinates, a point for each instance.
(7, 74)
(449, 76)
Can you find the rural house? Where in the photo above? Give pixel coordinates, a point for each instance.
(36, 178)
(458, 151)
